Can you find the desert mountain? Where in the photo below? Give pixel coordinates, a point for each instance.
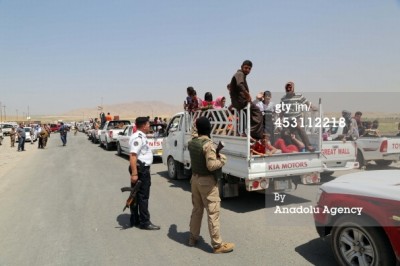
(129, 110)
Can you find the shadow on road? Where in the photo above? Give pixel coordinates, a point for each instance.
(183, 238)
(317, 252)
(372, 167)
(253, 201)
(183, 184)
(123, 221)
(245, 202)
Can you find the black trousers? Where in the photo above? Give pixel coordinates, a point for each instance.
(140, 211)
(40, 143)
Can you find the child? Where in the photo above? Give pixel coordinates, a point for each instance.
(264, 147)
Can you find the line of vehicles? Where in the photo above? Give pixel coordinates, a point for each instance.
(115, 134)
(279, 172)
(371, 238)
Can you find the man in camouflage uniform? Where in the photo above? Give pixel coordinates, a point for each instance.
(205, 193)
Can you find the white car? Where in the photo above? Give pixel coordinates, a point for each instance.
(6, 128)
(123, 140)
(28, 135)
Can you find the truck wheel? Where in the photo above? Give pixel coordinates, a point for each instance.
(356, 242)
(119, 149)
(221, 183)
(383, 162)
(107, 146)
(360, 159)
(172, 168)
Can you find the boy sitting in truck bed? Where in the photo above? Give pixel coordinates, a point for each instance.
(263, 147)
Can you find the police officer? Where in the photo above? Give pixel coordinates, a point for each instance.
(205, 194)
(141, 157)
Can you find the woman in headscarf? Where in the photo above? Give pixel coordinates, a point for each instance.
(220, 102)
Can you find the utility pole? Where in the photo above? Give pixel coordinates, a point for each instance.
(5, 116)
(17, 113)
(1, 114)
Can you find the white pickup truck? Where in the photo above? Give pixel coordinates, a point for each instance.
(109, 133)
(279, 172)
(383, 150)
(337, 155)
(154, 139)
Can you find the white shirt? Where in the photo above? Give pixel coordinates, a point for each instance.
(269, 107)
(139, 145)
(259, 104)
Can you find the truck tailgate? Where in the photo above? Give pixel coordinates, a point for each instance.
(393, 145)
(155, 145)
(339, 155)
(279, 165)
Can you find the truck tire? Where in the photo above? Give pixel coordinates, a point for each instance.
(119, 151)
(221, 183)
(172, 168)
(360, 159)
(383, 162)
(107, 146)
(354, 242)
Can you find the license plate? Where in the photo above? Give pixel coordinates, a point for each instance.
(158, 152)
(281, 184)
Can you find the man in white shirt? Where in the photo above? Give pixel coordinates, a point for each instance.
(141, 157)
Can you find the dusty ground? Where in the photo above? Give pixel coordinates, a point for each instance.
(9, 156)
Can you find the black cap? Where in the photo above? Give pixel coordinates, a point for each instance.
(203, 126)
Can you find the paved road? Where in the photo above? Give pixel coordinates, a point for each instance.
(63, 206)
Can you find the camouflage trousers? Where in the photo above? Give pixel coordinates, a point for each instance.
(205, 195)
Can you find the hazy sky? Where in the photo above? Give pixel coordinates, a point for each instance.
(60, 55)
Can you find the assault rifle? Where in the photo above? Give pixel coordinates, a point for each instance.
(132, 197)
(219, 148)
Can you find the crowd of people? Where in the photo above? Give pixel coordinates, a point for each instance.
(32, 132)
(262, 113)
(266, 138)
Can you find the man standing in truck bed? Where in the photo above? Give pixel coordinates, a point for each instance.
(294, 113)
(240, 96)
